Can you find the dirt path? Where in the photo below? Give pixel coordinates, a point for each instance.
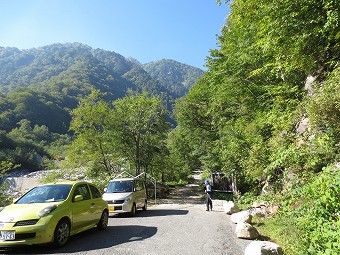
(189, 194)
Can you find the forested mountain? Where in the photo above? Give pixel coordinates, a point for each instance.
(43, 84)
(40, 87)
(175, 76)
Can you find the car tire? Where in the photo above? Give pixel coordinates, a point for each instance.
(145, 207)
(104, 220)
(61, 233)
(133, 210)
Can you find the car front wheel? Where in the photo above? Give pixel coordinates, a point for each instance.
(133, 210)
(61, 233)
(145, 207)
(104, 220)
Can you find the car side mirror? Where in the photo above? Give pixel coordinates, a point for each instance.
(105, 189)
(78, 198)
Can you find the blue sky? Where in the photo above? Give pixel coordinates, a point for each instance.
(148, 30)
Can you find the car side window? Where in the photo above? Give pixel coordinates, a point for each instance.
(139, 185)
(83, 190)
(95, 192)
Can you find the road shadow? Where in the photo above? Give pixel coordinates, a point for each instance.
(91, 240)
(152, 213)
(264, 238)
(161, 212)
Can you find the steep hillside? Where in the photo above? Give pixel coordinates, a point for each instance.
(80, 65)
(174, 76)
(49, 81)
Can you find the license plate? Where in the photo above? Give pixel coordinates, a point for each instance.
(111, 208)
(7, 235)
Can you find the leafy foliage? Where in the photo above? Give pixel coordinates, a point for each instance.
(324, 106)
(92, 123)
(27, 146)
(141, 126)
(255, 114)
(131, 131)
(241, 116)
(309, 217)
(321, 194)
(174, 76)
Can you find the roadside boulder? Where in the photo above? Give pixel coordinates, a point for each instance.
(263, 209)
(230, 207)
(243, 216)
(246, 231)
(260, 212)
(263, 248)
(257, 204)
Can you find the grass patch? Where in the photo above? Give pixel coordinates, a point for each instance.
(283, 231)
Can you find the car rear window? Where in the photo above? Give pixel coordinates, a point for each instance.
(95, 192)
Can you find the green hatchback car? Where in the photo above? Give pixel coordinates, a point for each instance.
(51, 213)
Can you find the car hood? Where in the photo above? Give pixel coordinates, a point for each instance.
(18, 212)
(116, 196)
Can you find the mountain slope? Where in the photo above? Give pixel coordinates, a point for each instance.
(59, 75)
(173, 75)
(102, 69)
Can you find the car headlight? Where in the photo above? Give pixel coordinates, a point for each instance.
(46, 210)
(127, 199)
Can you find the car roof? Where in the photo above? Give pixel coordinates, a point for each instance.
(125, 179)
(64, 182)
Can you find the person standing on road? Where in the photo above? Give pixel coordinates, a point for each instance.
(207, 190)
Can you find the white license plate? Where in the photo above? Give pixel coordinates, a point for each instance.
(7, 235)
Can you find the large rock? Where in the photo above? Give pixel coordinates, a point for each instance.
(229, 207)
(246, 231)
(263, 248)
(263, 209)
(257, 204)
(243, 216)
(260, 212)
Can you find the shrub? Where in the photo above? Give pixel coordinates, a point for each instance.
(318, 215)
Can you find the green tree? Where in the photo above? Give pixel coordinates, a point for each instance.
(92, 124)
(5, 166)
(324, 106)
(130, 131)
(242, 114)
(142, 127)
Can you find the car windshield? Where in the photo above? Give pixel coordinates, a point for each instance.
(47, 193)
(120, 186)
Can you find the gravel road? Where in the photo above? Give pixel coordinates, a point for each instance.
(177, 225)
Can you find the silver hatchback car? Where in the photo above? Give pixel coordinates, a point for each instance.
(126, 195)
